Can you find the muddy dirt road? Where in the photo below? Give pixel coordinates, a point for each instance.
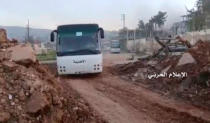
(121, 101)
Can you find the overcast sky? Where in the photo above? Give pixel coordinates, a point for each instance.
(107, 13)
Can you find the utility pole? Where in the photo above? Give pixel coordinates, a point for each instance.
(193, 22)
(134, 39)
(123, 19)
(127, 33)
(28, 32)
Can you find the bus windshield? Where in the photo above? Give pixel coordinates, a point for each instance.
(115, 45)
(77, 45)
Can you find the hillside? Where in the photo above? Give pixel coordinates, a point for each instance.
(42, 35)
(19, 33)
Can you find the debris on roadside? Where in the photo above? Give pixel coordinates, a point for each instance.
(21, 53)
(3, 36)
(186, 59)
(186, 76)
(30, 94)
(171, 45)
(4, 41)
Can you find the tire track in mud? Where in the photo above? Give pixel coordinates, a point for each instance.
(160, 109)
(111, 110)
(120, 101)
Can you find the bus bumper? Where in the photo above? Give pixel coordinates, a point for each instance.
(83, 64)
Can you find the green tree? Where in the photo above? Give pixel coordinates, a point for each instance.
(198, 17)
(141, 25)
(141, 30)
(160, 18)
(155, 22)
(204, 5)
(149, 28)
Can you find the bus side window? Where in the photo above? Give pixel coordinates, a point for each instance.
(99, 39)
(59, 40)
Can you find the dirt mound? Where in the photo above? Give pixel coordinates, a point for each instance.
(129, 68)
(4, 41)
(22, 52)
(3, 36)
(201, 52)
(30, 94)
(186, 76)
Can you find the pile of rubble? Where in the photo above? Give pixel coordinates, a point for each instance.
(4, 41)
(186, 76)
(30, 94)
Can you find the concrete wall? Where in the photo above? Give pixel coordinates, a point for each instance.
(193, 37)
(150, 46)
(143, 46)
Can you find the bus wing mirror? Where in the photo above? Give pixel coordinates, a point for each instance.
(52, 36)
(101, 32)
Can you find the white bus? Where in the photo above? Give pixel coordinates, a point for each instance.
(115, 46)
(78, 48)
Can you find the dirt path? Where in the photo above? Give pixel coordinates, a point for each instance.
(112, 110)
(119, 101)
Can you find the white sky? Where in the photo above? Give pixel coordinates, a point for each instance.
(107, 13)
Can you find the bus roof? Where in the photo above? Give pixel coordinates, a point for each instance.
(115, 41)
(77, 28)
